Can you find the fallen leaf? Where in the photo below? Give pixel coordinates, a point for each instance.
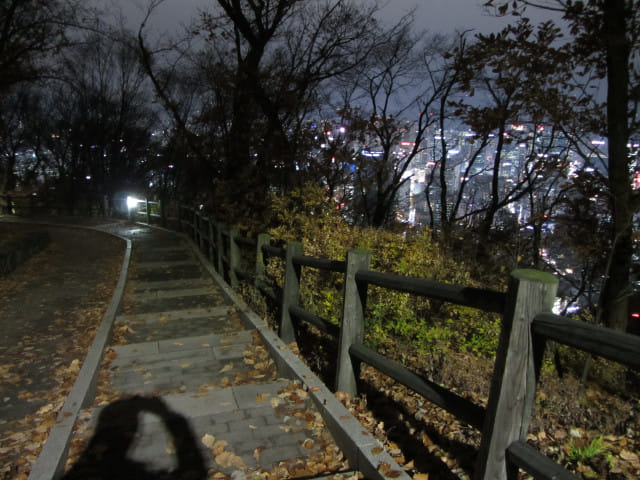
(226, 368)
(75, 366)
(575, 433)
(45, 409)
(257, 452)
(384, 468)
(228, 459)
(208, 440)
(629, 456)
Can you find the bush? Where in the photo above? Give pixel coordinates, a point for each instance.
(307, 216)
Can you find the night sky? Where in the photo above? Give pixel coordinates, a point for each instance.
(437, 16)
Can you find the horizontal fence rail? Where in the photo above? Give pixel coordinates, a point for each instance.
(603, 342)
(460, 407)
(320, 263)
(488, 300)
(276, 252)
(315, 320)
(524, 456)
(527, 325)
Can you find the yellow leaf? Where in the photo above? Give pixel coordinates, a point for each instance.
(208, 440)
(385, 469)
(75, 366)
(219, 447)
(228, 459)
(45, 409)
(262, 396)
(226, 368)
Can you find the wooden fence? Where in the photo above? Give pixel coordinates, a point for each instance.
(151, 211)
(527, 325)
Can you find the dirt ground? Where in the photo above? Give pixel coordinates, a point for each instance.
(50, 307)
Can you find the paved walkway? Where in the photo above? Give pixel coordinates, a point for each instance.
(192, 378)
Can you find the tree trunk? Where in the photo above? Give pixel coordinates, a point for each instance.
(484, 231)
(615, 292)
(444, 211)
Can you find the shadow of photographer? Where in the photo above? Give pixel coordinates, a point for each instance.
(106, 455)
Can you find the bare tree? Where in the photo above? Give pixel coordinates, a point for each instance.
(31, 31)
(397, 120)
(509, 72)
(99, 121)
(258, 100)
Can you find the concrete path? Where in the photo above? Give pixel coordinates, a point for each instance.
(183, 346)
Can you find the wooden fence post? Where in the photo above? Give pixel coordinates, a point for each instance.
(290, 291)
(163, 214)
(201, 220)
(146, 200)
(263, 239)
(513, 383)
(220, 248)
(211, 241)
(352, 325)
(234, 258)
(194, 225)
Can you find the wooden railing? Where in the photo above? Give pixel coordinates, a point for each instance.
(527, 325)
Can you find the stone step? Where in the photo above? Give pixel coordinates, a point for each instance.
(175, 315)
(143, 286)
(162, 264)
(164, 294)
